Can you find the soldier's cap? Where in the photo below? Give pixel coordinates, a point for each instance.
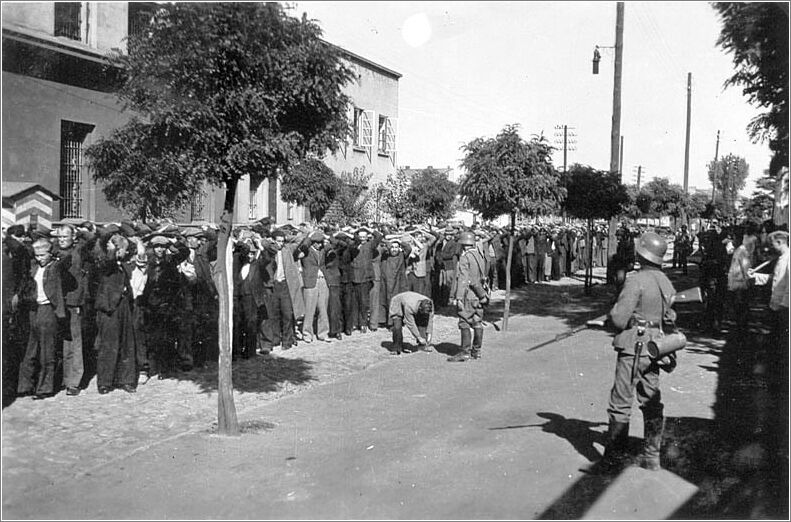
(778, 234)
(159, 240)
(16, 230)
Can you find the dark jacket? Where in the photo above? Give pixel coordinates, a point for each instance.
(362, 255)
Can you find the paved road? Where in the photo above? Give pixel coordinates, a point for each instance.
(409, 437)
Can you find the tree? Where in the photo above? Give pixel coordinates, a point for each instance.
(756, 33)
(760, 204)
(431, 196)
(508, 175)
(394, 194)
(728, 176)
(353, 195)
(313, 184)
(665, 199)
(696, 204)
(226, 90)
(593, 194)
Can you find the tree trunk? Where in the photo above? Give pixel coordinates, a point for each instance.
(507, 305)
(227, 423)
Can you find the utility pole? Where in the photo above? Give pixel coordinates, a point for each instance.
(639, 173)
(612, 242)
(564, 136)
(686, 148)
(716, 155)
(620, 160)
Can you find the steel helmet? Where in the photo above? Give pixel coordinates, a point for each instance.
(651, 247)
(467, 238)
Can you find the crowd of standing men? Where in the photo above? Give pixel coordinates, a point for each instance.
(130, 301)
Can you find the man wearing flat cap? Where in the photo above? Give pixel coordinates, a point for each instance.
(315, 291)
(45, 295)
(161, 298)
(75, 282)
(362, 251)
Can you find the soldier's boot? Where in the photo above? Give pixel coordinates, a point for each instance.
(477, 342)
(616, 451)
(649, 457)
(464, 353)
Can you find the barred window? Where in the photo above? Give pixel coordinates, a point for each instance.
(252, 213)
(139, 17)
(197, 205)
(72, 166)
(67, 19)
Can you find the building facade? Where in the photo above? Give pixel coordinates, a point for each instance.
(59, 97)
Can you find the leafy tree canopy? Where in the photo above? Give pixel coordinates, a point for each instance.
(756, 33)
(593, 193)
(431, 196)
(312, 184)
(665, 199)
(220, 91)
(395, 194)
(729, 175)
(353, 196)
(507, 174)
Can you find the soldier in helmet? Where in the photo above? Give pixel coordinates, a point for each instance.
(642, 304)
(469, 298)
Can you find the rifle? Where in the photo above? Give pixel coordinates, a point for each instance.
(690, 295)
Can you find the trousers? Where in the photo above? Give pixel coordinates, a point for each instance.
(645, 386)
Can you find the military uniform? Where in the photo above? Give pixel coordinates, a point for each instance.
(470, 272)
(642, 305)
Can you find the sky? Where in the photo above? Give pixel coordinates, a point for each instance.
(470, 68)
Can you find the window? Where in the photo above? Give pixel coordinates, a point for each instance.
(363, 128)
(67, 19)
(139, 16)
(72, 140)
(252, 212)
(197, 205)
(382, 143)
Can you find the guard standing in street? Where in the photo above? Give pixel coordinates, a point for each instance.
(469, 298)
(643, 304)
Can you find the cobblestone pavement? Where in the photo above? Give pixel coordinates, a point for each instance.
(47, 441)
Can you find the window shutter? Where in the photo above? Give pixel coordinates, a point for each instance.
(366, 126)
(390, 136)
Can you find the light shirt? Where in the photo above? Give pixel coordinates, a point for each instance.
(41, 297)
(245, 270)
(138, 281)
(280, 273)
